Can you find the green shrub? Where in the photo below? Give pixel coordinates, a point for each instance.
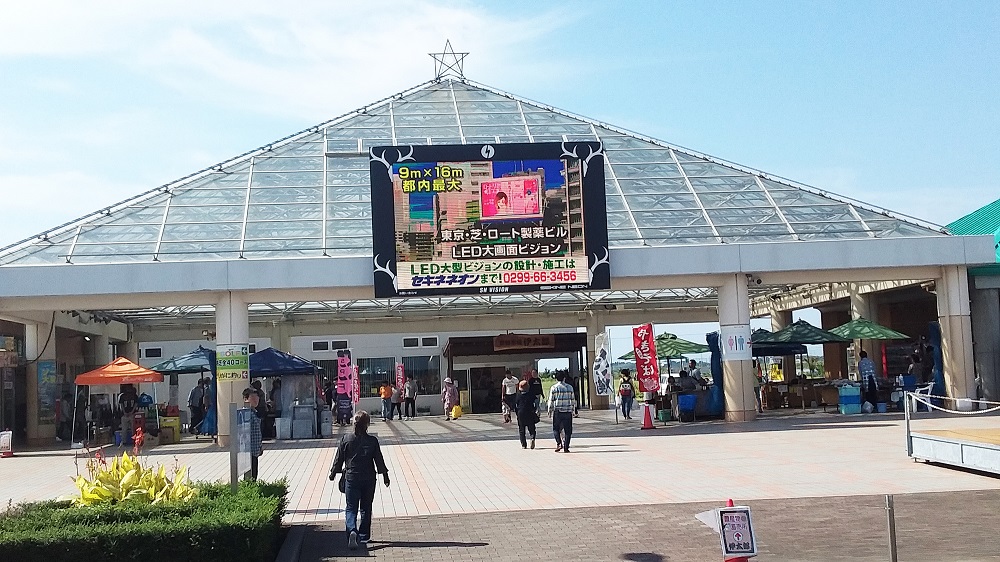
(215, 525)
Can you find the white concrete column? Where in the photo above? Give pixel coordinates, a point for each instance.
(986, 335)
(864, 306)
(129, 350)
(232, 326)
(102, 350)
(38, 344)
(737, 376)
(782, 319)
(954, 314)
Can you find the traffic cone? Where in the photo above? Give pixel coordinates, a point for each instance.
(647, 417)
(729, 503)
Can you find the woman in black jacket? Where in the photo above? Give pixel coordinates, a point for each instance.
(360, 459)
(527, 414)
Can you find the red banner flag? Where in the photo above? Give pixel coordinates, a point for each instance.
(647, 369)
(400, 377)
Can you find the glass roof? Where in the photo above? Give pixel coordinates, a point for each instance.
(309, 194)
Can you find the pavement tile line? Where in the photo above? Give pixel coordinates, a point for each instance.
(444, 468)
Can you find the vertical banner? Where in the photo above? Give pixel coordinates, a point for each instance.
(355, 386)
(345, 372)
(243, 441)
(232, 362)
(647, 370)
(602, 366)
(46, 392)
(6, 442)
(400, 376)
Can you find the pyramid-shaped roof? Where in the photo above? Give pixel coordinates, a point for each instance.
(309, 193)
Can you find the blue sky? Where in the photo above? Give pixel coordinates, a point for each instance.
(893, 103)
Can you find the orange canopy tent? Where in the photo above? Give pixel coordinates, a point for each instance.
(119, 371)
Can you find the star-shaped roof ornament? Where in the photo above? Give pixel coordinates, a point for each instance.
(448, 62)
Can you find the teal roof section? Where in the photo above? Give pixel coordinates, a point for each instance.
(985, 220)
(308, 194)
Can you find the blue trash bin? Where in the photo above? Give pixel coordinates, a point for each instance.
(685, 406)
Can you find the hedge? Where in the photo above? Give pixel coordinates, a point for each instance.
(217, 525)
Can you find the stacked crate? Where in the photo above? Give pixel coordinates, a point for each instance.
(850, 400)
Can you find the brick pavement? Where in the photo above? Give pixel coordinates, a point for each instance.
(950, 526)
(476, 466)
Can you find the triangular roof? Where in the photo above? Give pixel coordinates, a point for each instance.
(119, 371)
(985, 220)
(308, 194)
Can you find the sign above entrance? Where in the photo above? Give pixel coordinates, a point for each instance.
(524, 341)
(489, 219)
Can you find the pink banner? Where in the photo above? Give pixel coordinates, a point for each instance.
(345, 371)
(400, 377)
(355, 386)
(647, 370)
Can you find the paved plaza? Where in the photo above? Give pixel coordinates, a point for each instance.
(812, 478)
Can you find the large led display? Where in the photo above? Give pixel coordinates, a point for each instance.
(488, 219)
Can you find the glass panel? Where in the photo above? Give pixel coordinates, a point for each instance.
(709, 169)
(547, 118)
(729, 217)
(494, 130)
(653, 186)
(735, 199)
(641, 156)
(664, 202)
(287, 212)
(359, 133)
(360, 241)
(614, 141)
(700, 234)
(47, 253)
(283, 229)
(278, 245)
(446, 140)
(644, 170)
(301, 147)
(367, 143)
(726, 184)
(620, 220)
(359, 193)
(291, 163)
(342, 145)
(209, 215)
(134, 216)
(425, 371)
(489, 106)
(406, 141)
(565, 129)
(676, 218)
(510, 139)
(423, 108)
(209, 231)
(336, 163)
(374, 371)
(217, 179)
(370, 120)
(118, 249)
(818, 213)
(350, 210)
(424, 120)
(287, 195)
(261, 179)
(110, 234)
(353, 178)
(468, 94)
(209, 246)
(492, 119)
(614, 202)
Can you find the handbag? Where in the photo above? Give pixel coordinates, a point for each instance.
(537, 418)
(342, 485)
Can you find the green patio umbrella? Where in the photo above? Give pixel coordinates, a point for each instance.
(669, 346)
(801, 332)
(862, 329)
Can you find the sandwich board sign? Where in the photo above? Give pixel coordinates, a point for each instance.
(736, 531)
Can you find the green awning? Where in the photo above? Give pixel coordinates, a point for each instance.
(862, 329)
(669, 346)
(801, 332)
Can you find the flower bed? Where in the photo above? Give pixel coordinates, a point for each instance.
(215, 525)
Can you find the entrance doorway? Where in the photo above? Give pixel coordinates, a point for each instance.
(485, 385)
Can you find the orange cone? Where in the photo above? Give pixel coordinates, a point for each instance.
(647, 417)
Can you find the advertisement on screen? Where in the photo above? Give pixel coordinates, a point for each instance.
(488, 219)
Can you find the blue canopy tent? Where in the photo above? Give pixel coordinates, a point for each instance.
(201, 360)
(300, 393)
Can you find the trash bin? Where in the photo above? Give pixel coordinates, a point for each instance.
(663, 415)
(685, 406)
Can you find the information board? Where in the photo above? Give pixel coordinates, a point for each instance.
(232, 362)
(487, 219)
(243, 438)
(736, 531)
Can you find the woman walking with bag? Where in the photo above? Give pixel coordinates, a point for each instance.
(527, 415)
(359, 457)
(449, 396)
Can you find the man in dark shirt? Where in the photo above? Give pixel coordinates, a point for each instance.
(535, 388)
(128, 402)
(359, 458)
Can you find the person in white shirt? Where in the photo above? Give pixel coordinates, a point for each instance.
(695, 373)
(509, 386)
(409, 399)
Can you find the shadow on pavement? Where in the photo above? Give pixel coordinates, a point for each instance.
(644, 557)
(424, 544)
(323, 543)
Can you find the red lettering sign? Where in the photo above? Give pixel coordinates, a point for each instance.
(647, 369)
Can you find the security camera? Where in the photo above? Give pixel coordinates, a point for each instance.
(754, 280)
